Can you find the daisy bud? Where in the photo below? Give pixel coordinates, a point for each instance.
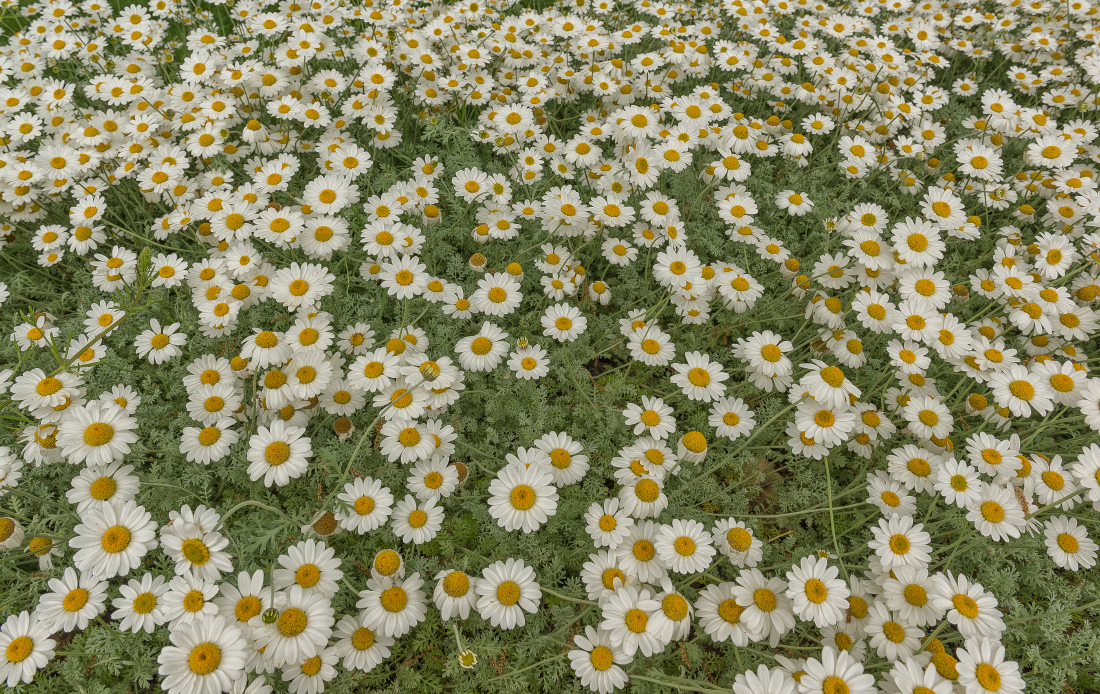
(429, 370)
(467, 659)
(270, 615)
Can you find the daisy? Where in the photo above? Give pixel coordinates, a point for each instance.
(908, 592)
(996, 513)
(111, 540)
(638, 555)
(767, 609)
(72, 601)
(816, 593)
(189, 599)
(794, 204)
(301, 286)
(96, 485)
(433, 479)
(891, 637)
(645, 498)
(301, 630)
(505, 591)
(529, 363)
(483, 351)
(607, 524)
(684, 547)
(563, 322)
(208, 656)
(522, 498)
(359, 646)
(202, 552)
(765, 681)
(98, 433)
(312, 673)
(982, 667)
(1021, 391)
(653, 418)
(898, 542)
(836, 671)
(731, 418)
(210, 443)
(278, 453)
(957, 482)
(626, 619)
(139, 606)
(404, 277)
(27, 648)
(700, 378)
(497, 294)
(828, 385)
(968, 606)
(240, 603)
(1068, 544)
(405, 441)
(720, 615)
(311, 565)
(737, 542)
(889, 495)
(417, 523)
(596, 661)
(453, 594)
(651, 346)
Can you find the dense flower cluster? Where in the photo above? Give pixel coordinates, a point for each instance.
(225, 160)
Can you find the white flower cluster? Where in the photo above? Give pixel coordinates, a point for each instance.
(255, 140)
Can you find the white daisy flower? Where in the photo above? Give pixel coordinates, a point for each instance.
(208, 656)
(626, 619)
(597, 662)
(816, 592)
(112, 540)
(72, 602)
(607, 524)
(417, 523)
(301, 630)
(311, 565)
(522, 498)
(505, 591)
(359, 646)
(737, 542)
(278, 453)
(454, 594)
(366, 505)
(139, 606)
(685, 547)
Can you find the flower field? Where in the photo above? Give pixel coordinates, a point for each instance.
(549, 346)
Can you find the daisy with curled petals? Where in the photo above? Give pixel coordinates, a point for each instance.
(982, 667)
(359, 646)
(1068, 544)
(505, 591)
(837, 671)
(240, 603)
(301, 630)
(563, 322)
(597, 662)
(737, 542)
(210, 443)
(828, 385)
(767, 610)
(311, 565)
(139, 607)
(278, 453)
(98, 433)
(968, 605)
(73, 600)
(607, 524)
(454, 594)
(483, 351)
(26, 648)
(112, 540)
(720, 615)
(700, 378)
(673, 621)
(996, 513)
(206, 656)
(645, 498)
(898, 542)
(685, 546)
(653, 418)
(816, 592)
(417, 523)
(567, 460)
(158, 344)
(522, 498)
(626, 618)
